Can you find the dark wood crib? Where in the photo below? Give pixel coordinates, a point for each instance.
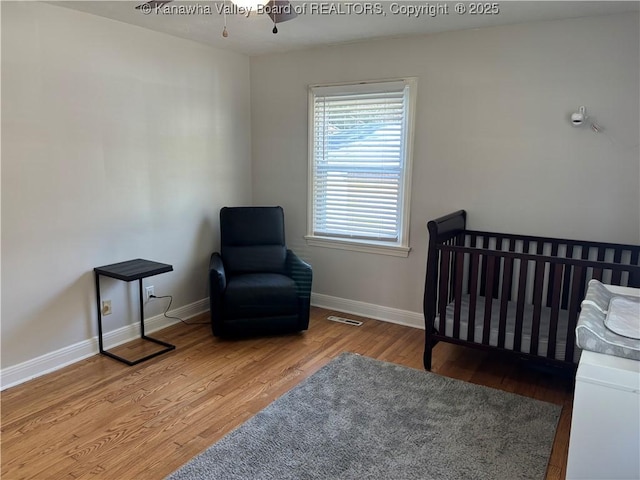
(517, 294)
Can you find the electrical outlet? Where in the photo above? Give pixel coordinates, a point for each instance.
(106, 307)
(149, 291)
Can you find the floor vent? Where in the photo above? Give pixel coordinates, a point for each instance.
(348, 321)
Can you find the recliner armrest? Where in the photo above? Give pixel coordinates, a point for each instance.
(302, 275)
(300, 272)
(217, 285)
(217, 275)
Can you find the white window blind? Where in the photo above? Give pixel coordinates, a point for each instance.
(359, 159)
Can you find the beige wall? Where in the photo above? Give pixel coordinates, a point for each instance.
(492, 137)
(117, 143)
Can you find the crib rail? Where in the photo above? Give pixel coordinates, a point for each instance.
(556, 247)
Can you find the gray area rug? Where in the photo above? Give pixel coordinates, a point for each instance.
(359, 418)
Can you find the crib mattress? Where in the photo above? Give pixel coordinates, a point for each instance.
(525, 346)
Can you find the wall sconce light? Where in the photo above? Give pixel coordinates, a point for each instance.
(579, 117)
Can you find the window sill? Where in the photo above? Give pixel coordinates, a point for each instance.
(358, 246)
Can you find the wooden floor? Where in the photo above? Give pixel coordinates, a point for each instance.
(102, 419)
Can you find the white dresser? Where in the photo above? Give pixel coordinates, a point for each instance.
(605, 427)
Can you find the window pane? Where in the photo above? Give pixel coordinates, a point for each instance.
(358, 161)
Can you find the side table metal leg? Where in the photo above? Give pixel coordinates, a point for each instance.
(99, 309)
(142, 335)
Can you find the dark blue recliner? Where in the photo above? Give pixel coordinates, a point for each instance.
(256, 285)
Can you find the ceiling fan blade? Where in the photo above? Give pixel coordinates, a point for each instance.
(280, 10)
(151, 4)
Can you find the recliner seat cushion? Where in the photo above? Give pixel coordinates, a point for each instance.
(260, 295)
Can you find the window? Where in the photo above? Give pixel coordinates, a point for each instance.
(360, 165)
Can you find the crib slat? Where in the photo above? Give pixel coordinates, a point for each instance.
(512, 248)
(597, 274)
(472, 243)
(555, 311)
(496, 277)
(585, 252)
(488, 299)
(452, 269)
(483, 267)
(634, 280)
(457, 296)
(552, 283)
(582, 278)
(473, 297)
(566, 282)
(507, 278)
(537, 306)
(616, 275)
(578, 273)
(602, 253)
(522, 291)
(443, 294)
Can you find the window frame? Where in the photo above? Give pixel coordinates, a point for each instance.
(401, 247)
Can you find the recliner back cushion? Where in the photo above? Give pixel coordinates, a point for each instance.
(253, 239)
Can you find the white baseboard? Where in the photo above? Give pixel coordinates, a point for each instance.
(50, 362)
(369, 310)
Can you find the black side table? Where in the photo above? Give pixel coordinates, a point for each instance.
(129, 271)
